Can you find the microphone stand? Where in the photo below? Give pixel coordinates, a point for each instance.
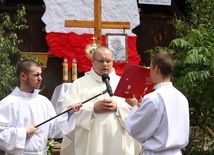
(103, 92)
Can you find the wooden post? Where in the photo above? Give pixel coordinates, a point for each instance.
(97, 24)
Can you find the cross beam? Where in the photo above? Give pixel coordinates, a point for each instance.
(97, 24)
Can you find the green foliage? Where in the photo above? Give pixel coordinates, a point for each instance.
(50, 146)
(197, 52)
(9, 45)
(33, 57)
(200, 12)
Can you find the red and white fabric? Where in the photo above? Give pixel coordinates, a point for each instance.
(71, 42)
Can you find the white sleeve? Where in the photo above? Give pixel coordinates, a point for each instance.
(12, 139)
(61, 125)
(84, 116)
(142, 122)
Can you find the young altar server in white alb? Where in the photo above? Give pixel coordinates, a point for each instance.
(161, 123)
(24, 108)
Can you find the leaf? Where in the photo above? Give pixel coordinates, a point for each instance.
(196, 76)
(179, 43)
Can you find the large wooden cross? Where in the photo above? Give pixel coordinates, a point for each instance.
(97, 24)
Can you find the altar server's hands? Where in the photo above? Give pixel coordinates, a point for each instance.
(75, 107)
(31, 130)
(133, 101)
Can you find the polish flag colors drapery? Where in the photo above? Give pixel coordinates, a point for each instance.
(71, 43)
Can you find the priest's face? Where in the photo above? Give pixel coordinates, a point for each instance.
(31, 80)
(103, 61)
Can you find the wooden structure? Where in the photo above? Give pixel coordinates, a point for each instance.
(155, 29)
(97, 24)
(41, 56)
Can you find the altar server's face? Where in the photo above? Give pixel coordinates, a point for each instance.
(153, 72)
(33, 79)
(103, 61)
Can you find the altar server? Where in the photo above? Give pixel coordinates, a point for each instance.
(25, 108)
(161, 123)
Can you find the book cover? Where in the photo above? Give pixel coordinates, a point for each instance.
(134, 80)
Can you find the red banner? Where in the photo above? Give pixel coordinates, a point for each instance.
(71, 45)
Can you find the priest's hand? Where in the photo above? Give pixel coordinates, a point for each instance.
(31, 130)
(75, 107)
(105, 105)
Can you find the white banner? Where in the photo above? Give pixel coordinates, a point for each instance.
(57, 11)
(155, 2)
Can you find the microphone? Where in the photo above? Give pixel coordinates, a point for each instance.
(106, 79)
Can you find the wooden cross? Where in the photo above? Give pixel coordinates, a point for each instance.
(97, 24)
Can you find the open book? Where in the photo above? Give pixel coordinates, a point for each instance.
(135, 80)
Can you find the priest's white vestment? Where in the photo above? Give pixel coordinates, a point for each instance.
(97, 133)
(19, 110)
(161, 124)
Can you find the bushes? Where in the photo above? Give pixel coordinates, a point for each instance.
(9, 45)
(194, 76)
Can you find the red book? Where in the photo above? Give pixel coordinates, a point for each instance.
(134, 80)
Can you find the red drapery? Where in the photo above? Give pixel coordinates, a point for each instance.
(72, 45)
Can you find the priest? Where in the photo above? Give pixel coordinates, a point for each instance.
(100, 122)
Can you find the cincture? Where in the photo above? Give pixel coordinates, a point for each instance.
(35, 153)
